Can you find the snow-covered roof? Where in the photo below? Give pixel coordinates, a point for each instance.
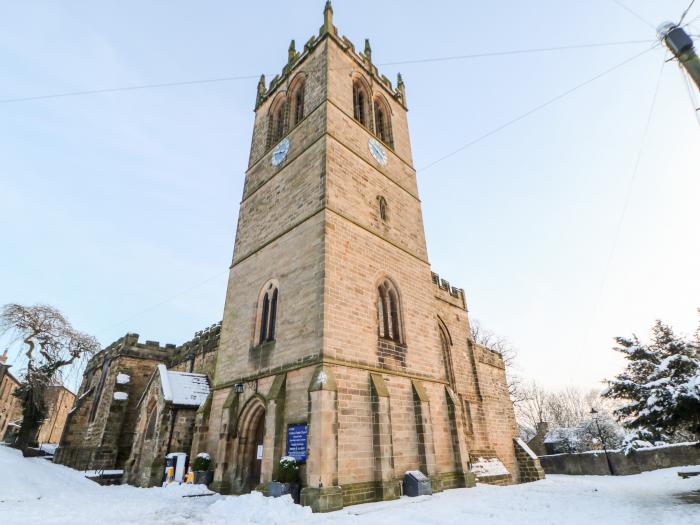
(182, 388)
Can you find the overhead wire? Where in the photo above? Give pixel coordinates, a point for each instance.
(685, 13)
(417, 61)
(635, 14)
(164, 301)
(482, 137)
(625, 206)
(543, 105)
(139, 87)
(515, 52)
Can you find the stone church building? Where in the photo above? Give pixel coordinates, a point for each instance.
(336, 332)
(339, 345)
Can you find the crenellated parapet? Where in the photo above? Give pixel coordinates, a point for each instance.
(328, 30)
(444, 286)
(203, 342)
(129, 346)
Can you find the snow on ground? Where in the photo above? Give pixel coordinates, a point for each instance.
(34, 491)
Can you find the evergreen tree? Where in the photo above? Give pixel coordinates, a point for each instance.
(661, 384)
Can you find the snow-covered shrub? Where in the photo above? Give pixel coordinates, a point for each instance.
(288, 471)
(201, 462)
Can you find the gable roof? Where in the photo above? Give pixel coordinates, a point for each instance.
(181, 388)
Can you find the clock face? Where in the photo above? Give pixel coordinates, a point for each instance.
(280, 153)
(377, 151)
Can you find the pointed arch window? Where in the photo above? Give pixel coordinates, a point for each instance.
(360, 103)
(98, 391)
(297, 101)
(389, 312)
(267, 320)
(151, 424)
(382, 122)
(277, 126)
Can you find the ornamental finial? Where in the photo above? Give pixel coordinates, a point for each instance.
(261, 91)
(400, 89)
(368, 50)
(292, 53)
(327, 19)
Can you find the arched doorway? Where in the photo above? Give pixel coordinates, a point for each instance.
(251, 436)
(256, 458)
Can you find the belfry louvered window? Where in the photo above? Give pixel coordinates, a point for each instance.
(277, 126)
(298, 102)
(360, 106)
(382, 123)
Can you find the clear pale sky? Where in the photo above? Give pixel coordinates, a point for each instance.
(116, 207)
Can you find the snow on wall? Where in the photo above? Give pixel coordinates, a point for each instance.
(527, 449)
(121, 396)
(489, 467)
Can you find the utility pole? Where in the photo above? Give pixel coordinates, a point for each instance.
(681, 45)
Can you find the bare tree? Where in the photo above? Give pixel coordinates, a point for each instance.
(568, 409)
(51, 343)
(533, 407)
(484, 337)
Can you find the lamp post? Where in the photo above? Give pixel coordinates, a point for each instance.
(594, 413)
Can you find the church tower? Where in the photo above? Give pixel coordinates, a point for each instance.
(339, 346)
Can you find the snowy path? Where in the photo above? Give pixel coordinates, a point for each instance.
(34, 491)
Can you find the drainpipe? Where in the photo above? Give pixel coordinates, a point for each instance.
(172, 428)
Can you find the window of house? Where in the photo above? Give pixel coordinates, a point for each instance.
(382, 123)
(268, 314)
(389, 312)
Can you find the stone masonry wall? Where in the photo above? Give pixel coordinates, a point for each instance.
(105, 441)
(641, 460)
(10, 406)
(59, 402)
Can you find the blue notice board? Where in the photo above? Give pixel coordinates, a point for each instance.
(296, 442)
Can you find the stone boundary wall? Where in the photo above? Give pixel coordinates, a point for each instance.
(641, 460)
